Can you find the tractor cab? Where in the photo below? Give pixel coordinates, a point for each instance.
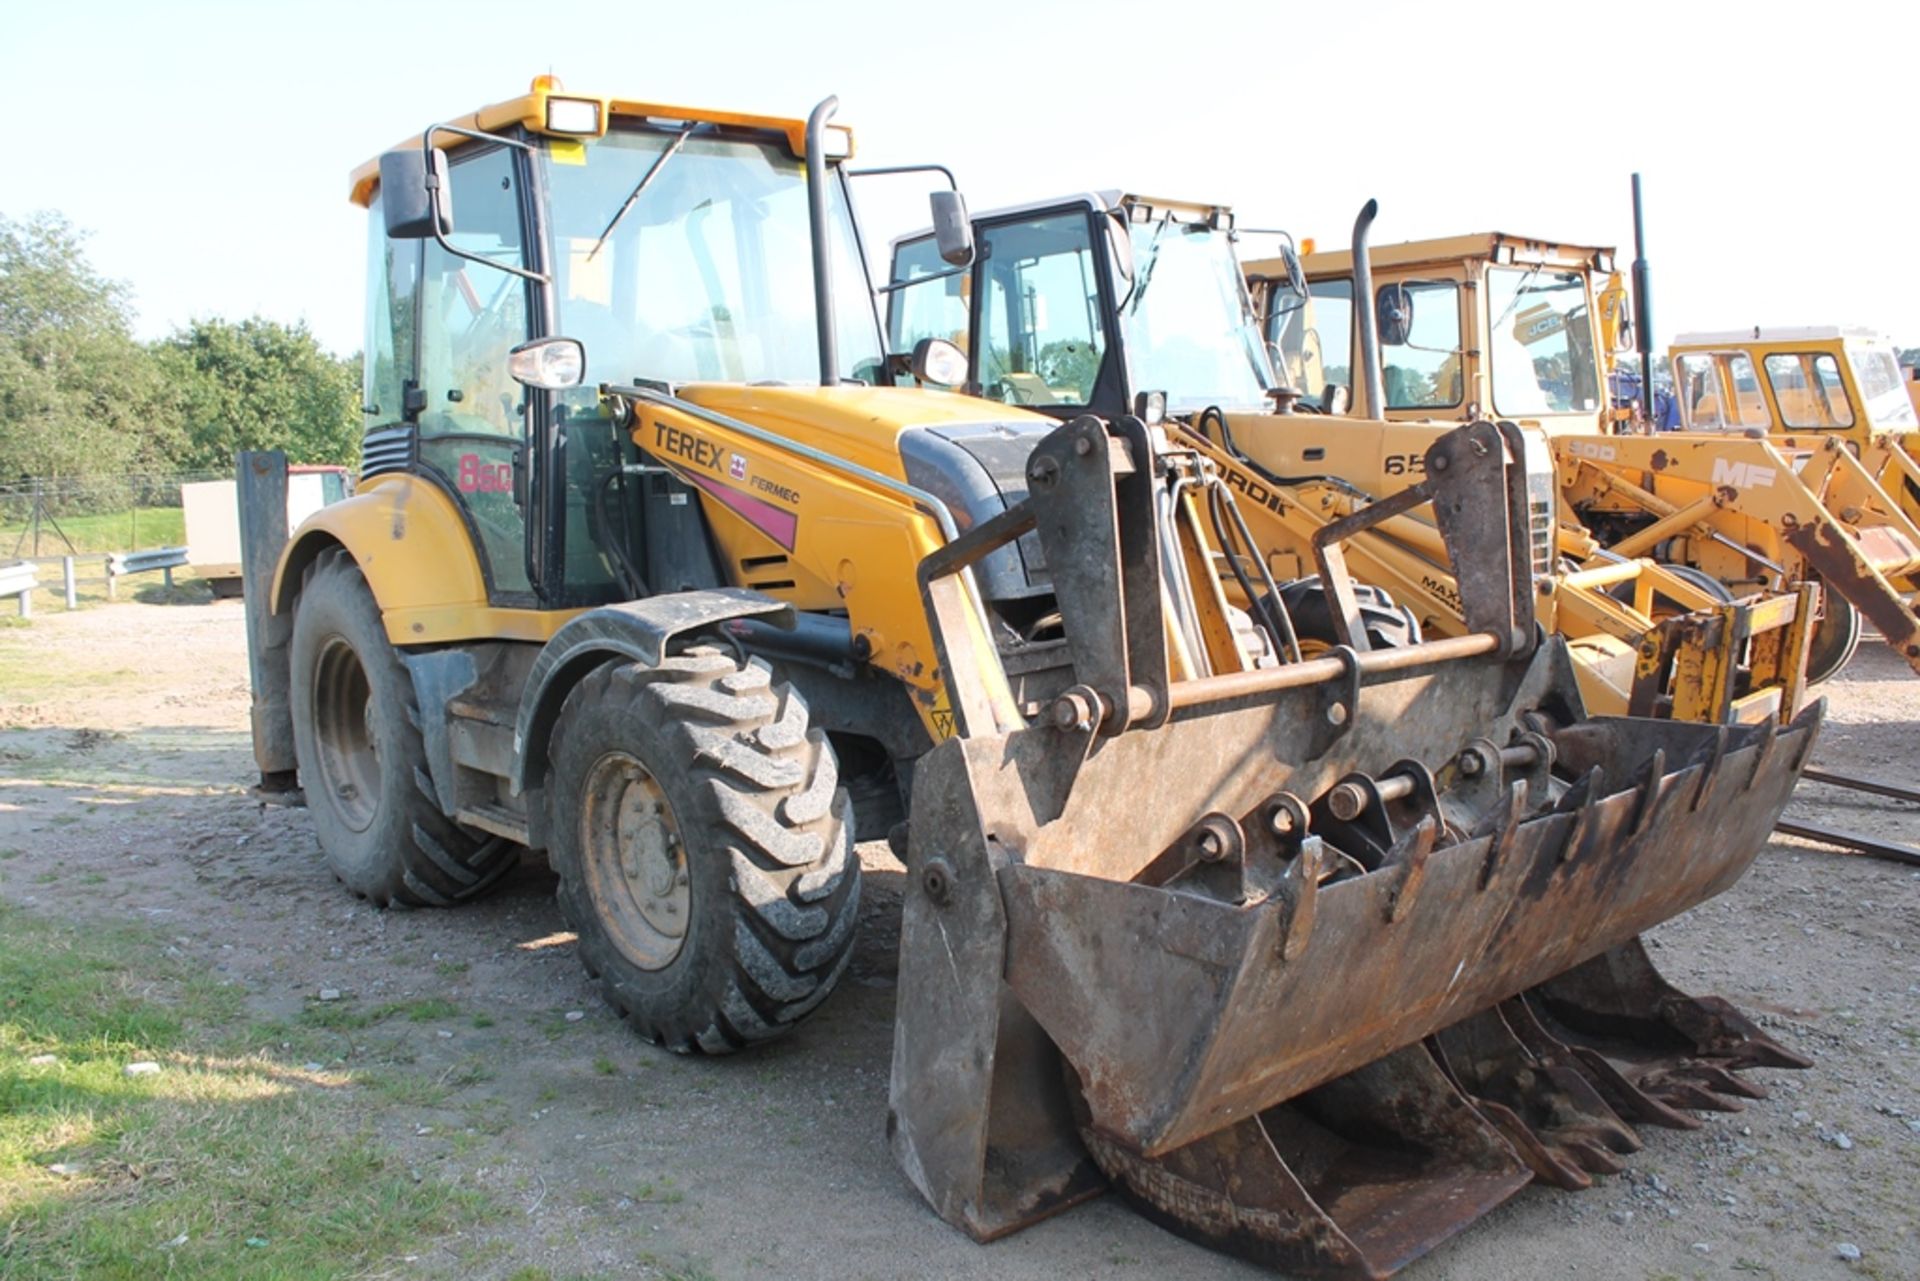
(668, 246)
(1483, 325)
(1820, 379)
(1087, 304)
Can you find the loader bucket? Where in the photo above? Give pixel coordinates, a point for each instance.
(1196, 956)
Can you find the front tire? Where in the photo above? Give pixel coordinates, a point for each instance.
(704, 849)
(363, 763)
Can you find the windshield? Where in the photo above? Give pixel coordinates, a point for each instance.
(1190, 327)
(708, 276)
(1541, 342)
(1878, 374)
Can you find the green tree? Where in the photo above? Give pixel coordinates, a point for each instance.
(259, 384)
(78, 396)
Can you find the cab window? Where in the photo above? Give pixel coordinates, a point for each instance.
(1698, 377)
(1808, 388)
(1318, 334)
(1721, 392)
(1882, 387)
(936, 309)
(393, 278)
(1541, 341)
(1424, 371)
(1040, 328)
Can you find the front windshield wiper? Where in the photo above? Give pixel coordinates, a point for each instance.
(1144, 276)
(646, 179)
(1520, 291)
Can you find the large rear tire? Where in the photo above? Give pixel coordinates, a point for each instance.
(704, 849)
(356, 736)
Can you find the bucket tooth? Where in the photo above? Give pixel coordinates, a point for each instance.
(1551, 1113)
(1354, 1179)
(1631, 1027)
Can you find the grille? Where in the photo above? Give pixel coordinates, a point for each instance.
(389, 449)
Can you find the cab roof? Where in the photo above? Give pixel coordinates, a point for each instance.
(1483, 246)
(1106, 200)
(531, 110)
(1779, 334)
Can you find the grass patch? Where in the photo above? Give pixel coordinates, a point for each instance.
(213, 1166)
(126, 530)
(345, 1015)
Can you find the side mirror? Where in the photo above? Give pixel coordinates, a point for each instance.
(1395, 314)
(1296, 274)
(952, 229)
(413, 197)
(551, 364)
(935, 360)
(1337, 399)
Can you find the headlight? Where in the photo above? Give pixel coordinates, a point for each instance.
(573, 115)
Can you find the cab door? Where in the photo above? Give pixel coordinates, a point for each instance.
(471, 417)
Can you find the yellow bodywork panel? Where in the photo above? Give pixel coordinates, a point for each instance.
(805, 532)
(411, 544)
(1616, 644)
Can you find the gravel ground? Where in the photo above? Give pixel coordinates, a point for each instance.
(123, 762)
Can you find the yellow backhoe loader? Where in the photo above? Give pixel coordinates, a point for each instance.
(1525, 330)
(1133, 309)
(653, 567)
(1646, 639)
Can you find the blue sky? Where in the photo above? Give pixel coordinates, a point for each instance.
(206, 145)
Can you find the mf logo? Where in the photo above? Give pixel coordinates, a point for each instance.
(1741, 475)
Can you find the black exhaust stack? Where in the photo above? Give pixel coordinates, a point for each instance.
(1642, 305)
(1375, 382)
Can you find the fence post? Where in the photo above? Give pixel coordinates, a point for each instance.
(26, 603)
(262, 491)
(112, 581)
(66, 575)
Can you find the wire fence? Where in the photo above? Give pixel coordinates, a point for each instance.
(46, 516)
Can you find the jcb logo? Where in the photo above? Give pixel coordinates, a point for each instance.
(1741, 475)
(1589, 449)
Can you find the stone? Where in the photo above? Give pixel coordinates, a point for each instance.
(1847, 1250)
(43, 1060)
(143, 1069)
(329, 993)
(574, 1016)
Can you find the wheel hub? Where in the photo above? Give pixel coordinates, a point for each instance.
(636, 867)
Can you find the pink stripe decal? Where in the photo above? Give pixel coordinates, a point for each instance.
(775, 522)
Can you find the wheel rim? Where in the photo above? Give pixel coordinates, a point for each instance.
(1835, 637)
(343, 729)
(635, 862)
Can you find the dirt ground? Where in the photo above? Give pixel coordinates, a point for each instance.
(124, 761)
